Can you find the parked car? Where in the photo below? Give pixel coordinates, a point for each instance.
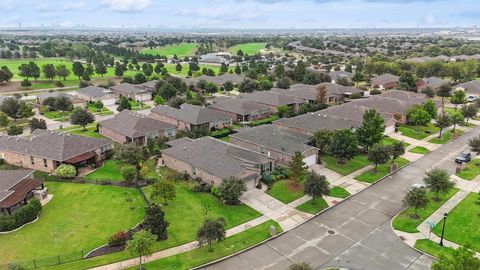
(417, 185)
(471, 98)
(464, 156)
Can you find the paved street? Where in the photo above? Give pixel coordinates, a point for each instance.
(356, 234)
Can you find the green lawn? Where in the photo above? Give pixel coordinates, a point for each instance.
(419, 150)
(225, 139)
(403, 222)
(264, 121)
(372, 176)
(109, 171)
(422, 133)
(248, 48)
(389, 141)
(447, 136)
(339, 192)
(104, 111)
(463, 223)
(286, 190)
(57, 115)
(471, 170)
(352, 165)
(180, 49)
(138, 105)
(432, 248)
(79, 217)
(221, 249)
(89, 132)
(313, 208)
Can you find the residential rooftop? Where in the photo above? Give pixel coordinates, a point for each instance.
(192, 114)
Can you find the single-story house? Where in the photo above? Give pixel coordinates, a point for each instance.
(149, 86)
(94, 94)
(385, 81)
(273, 100)
(128, 126)
(308, 93)
(432, 82)
(213, 58)
(335, 75)
(471, 88)
(336, 93)
(280, 144)
(189, 117)
(132, 91)
(213, 160)
(241, 109)
(16, 187)
(77, 102)
(220, 80)
(45, 150)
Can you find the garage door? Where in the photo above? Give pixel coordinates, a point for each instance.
(389, 130)
(108, 102)
(310, 160)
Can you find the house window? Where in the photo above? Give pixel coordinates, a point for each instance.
(32, 161)
(45, 163)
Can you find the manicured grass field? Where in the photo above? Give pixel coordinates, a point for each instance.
(432, 248)
(422, 133)
(314, 207)
(389, 141)
(57, 115)
(180, 49)
(230, 245)
(352, 165)
(109, 171)
(184, 72)
(79, 217)
(403, 222)
(372, 176)
(446, 137)
(264, 121)
(339, 192)
(286, 190)
(463, 221)
(136, 106)
(89, 132)
(471, 171)
(419, 150)
(248, 48)
(104, 111)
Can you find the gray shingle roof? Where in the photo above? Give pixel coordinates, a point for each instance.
(240, 106)
(212, 58)
(272, 137)
(57, 94)
(94, 92)
(270, 98)
(9, 178)
(52, 145)
(472, 87)
(127, 88)
(388, 104)
(314, 121)
(384, 79)
(434, 82)
(303, 91)
(134, 125)
(337, 89)
(219, 158)
(192, 114)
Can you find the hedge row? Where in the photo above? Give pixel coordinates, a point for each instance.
(25, 214)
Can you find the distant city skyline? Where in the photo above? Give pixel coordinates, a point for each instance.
(241, 14)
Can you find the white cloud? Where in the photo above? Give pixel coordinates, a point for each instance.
(127, 6)
(7, 5)
(74, 5)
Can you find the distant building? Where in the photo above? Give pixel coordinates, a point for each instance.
(77, 102)
(432, 82)
(94, 94)
(385, 81)
(471, 88)
(132, 91)
(242, 110)
(16, 187)
(213, 58)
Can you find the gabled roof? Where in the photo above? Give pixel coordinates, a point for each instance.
(10, 178)
(337, 89)
(353, 111)
(270, 98)
(127, 88)
(192, 114)
(212, 58)
(150, 85)
(340, 74)
(434, 82)
(57, 94)
(94, 92)
(303, 91)
(386, 104)
(470, 87)
(239, 106)
(385, 79)
(404, 95)
(275, 138)
(216, 157)
(52, 145)
(314, 121)
(134, 125)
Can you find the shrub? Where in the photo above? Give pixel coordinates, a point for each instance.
(66, 171)
(14, 130)
(128, 173)
(27, 213)
(355, 96)
(119, 238)
(267, 178)
(375, 92)
(231, 189)
(202, 187)
(216, 191)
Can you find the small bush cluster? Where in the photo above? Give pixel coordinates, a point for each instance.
(27, 213)
(119, 238)
(202, 187)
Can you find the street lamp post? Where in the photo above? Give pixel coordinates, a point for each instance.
(443, 228)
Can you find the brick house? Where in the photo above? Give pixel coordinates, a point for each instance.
(273, 100)
(128, 126)
(385, 81)
(242, 110)
(16, 187)
(46, 150)
(132, 91)
(95, 93)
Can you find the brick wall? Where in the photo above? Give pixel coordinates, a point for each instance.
(180, 166)
(25, 162)
(180, 124)
(113, 135)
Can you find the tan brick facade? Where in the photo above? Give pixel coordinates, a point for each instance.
(113, 135)
(181, 167)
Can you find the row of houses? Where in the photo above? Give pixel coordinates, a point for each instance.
(389, 81)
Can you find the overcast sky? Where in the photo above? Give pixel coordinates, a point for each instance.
(260, 14)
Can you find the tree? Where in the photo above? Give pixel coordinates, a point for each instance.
(469, 111)
(141, 245)
(124, 104)
(211, 230)
(14, 130)
(3, 119)
(321, 93)
(81, 117)
(296, 167)
(78, 69)
(443, 92)
(284, 82)
(25, 110)
(358, 77)
(158, 100)
(474, 144)
(211, 87)
(25, 83)
(419, 117)
(178, 68)
(237, 70)
(322, 139)
(456, 118)
(131, 153)
(371, 130)
(265, 85)
(5, 74)
(11, 107)
(316, 186)
(300, 266)
(344, 145)
(438, 181)
(34, 70)
(228, 86)
(49, 71)
(63, 104)
(461, 259)
(100, 68)
(128, 173)
(379, 154)
(66, 171)
(37, 124)
(442, 121)
(430, 107)
(119, 70)
(396, 150)
(416, 197)
(155, 222)
(162, 191)
(458, 98)
(428, 91)
(231, 189)
(407, 82)
(63, 71)
(247, 86)
(86, 76)
(139, 78)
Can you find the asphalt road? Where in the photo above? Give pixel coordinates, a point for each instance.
(355, 234)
